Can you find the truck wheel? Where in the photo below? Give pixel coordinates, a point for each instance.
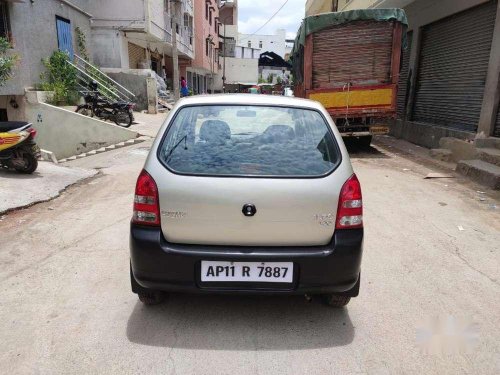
(364, 142)
(334, 300)
(151, 298)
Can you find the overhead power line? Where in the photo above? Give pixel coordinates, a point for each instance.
(269, 20)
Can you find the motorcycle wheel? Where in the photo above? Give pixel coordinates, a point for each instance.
(30, 163)
(124, 119)
(84, 110)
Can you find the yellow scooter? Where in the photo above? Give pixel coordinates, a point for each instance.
(18, 149)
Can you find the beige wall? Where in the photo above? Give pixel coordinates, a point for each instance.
(318, 6)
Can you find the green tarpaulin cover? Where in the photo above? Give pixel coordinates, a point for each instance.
(319, 22)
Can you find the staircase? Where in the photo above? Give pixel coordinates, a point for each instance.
(480, 161)
(485, 168)
(107, 87)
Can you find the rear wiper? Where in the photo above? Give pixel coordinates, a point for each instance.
(176, 145)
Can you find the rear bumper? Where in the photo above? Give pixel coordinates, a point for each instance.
(159, 265)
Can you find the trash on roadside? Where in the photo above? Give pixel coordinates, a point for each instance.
(50, 208)
(480, 192)
(438, 175)
(460, 228)
(406, 169)
(482, 199)
(493, 206)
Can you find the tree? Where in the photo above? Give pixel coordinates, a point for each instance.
(7, 61)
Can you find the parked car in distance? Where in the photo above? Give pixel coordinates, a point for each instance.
(246, 193)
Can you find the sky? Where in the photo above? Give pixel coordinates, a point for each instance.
(252, 14)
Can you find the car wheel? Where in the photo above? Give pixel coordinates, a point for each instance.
(151, 298)
(334, 300)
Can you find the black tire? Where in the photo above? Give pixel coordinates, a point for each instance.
(124, 119)
(83, 109)
(364, 142)
(146, 296)
(334, 300)
(151, 298)
(30, 162)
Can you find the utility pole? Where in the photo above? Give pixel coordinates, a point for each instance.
(175, 56)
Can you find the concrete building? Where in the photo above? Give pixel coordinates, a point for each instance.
(137, 34)
(36, 29)
(239, 63)
(201, 75)
(320, 6)
(273, 43)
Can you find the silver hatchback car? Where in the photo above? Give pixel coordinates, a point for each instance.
(247, 194)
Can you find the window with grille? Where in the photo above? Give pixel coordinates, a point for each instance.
(4, 21)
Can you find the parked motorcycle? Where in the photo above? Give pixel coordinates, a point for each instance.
(18, 149)
(121, 113)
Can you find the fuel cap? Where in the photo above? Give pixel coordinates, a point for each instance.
(249, 210)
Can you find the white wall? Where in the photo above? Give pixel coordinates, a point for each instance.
(272, 43)
(241, 70)
(80, 133)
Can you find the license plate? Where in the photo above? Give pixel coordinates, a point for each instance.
(260, 272)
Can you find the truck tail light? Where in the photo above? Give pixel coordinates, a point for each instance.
(146, 204)
(350, 210)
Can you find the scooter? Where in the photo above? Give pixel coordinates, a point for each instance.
(18, 149)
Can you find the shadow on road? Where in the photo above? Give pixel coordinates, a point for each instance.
(239, 323)
(7, 173)
(356, 151)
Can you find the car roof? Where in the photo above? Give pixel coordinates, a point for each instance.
(249, 99)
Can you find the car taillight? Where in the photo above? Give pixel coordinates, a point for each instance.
(32, 132)
(350, 210)
(146, 204)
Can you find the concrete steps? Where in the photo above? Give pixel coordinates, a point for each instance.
(107, 148)
(489, 155)
(480, 171)
(490, 142)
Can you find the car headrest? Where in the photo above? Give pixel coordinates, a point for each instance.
(215, 131)
(278, 133)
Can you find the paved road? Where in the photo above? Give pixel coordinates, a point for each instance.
(66, 305)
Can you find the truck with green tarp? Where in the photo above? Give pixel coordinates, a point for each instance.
(349, 62)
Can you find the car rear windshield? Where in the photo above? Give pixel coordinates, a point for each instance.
(230, 140)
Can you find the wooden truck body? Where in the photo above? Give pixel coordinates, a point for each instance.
(350, 63)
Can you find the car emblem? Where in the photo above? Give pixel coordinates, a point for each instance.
(249, 210)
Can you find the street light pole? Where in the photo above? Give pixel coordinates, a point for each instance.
(224, 57)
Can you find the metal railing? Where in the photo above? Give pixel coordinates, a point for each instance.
(88, 73)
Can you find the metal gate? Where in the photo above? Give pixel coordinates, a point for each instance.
(136, 55)
(64, 38)
(496, 131)
(402, 97)
(453, 64)
(370, 42)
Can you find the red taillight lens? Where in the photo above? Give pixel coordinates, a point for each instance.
(32, 132)
(350, 211)
(146, 204)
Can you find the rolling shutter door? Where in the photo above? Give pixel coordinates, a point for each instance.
(403, 77)
(358, 52)
(496, 131)
(136, 54)
(452, 68)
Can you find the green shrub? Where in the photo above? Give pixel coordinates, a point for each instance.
(59, 77)
(7, 62)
